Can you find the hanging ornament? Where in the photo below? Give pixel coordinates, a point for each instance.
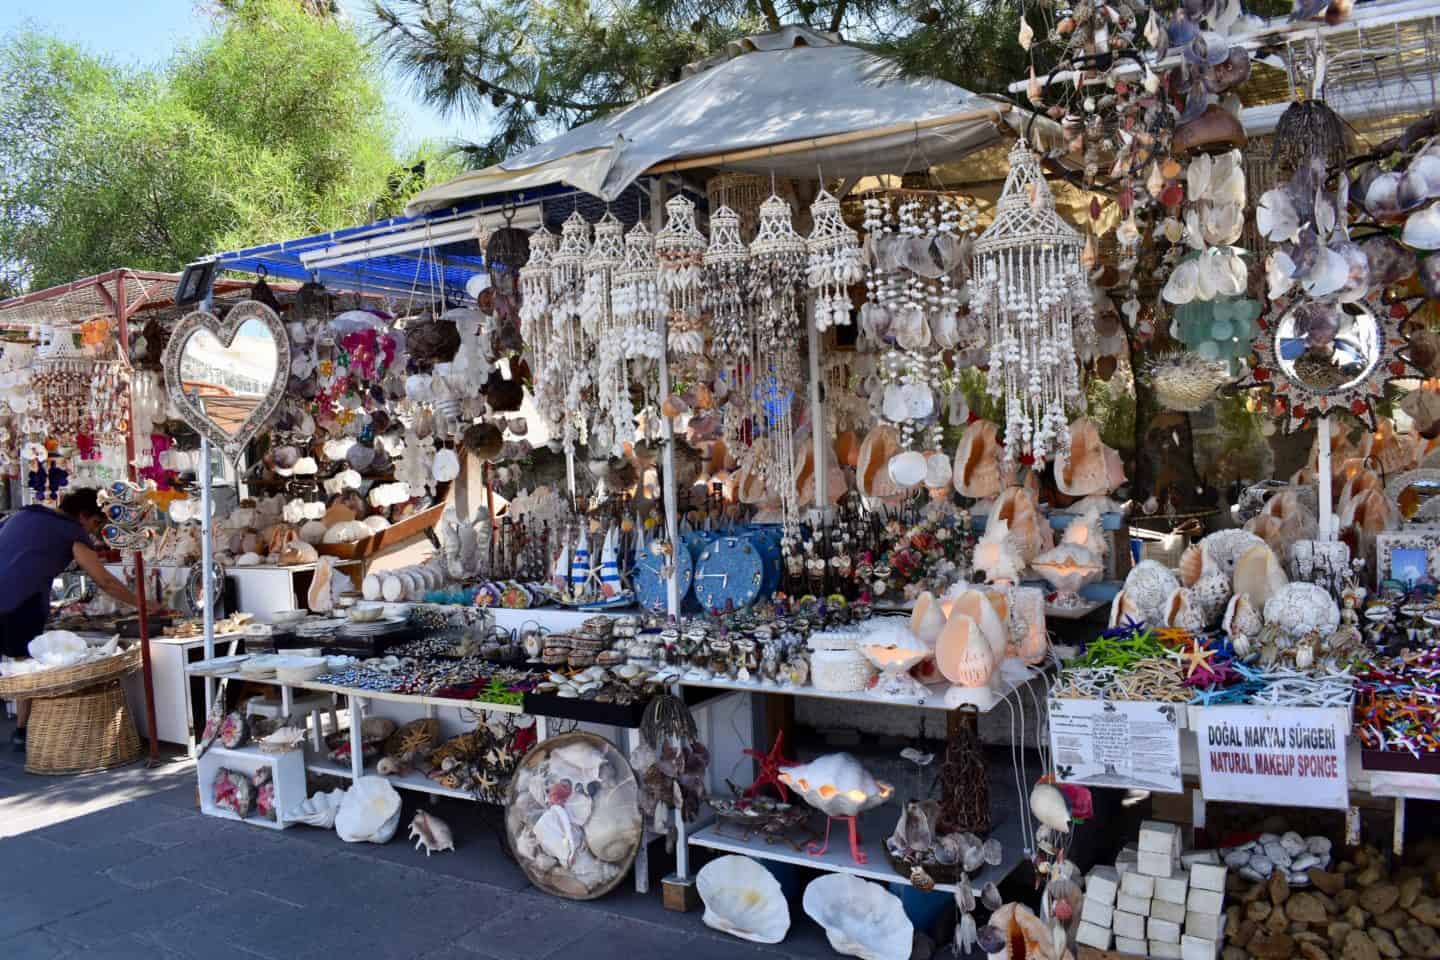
(616, 420)
(680, 252)
(835, 262)
(534, 310)
(636, 297)
(567, 290)
(1031, 289)
(726, 297)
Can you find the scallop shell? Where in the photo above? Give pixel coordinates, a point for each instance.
(743, 899)
(1259, 575)
(1299, 608)
(976, 472)
(978, 606)
(860, 918)
(1080, 466)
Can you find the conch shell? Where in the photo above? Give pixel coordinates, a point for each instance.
(1087, 531)
(1023, 934)
(1292, 521)
(1183, 611)
(927, 619)
(1387, 450)
(1368, 514)
(1259, 575)
(1359, 481)
(872, 472)
(1082, 468)
(963, 653)
(1029, 530)
(976, 472)
(1242, 618)
(978, 606)
(431, 833)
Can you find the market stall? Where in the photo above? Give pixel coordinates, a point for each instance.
(722, 416)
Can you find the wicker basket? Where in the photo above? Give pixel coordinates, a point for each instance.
(60, 681)
(81, 732)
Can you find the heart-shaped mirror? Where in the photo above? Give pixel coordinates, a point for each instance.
(226, 377)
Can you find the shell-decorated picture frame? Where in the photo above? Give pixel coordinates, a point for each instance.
(1426, 541)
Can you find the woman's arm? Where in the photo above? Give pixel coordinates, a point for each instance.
(89, 561)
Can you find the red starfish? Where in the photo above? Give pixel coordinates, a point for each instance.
(770, 765)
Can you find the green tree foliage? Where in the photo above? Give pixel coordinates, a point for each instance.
(537, 67)
(272, 126)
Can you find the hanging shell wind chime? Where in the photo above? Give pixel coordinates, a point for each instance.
(567, 291)
(616, 417)
(535, 322)
(636, 297)
(836, 262)
(1030, 287)
(727, 302)
(680, 252)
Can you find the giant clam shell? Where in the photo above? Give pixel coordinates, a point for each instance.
(836, 784)
(860, 918)
(743, 899)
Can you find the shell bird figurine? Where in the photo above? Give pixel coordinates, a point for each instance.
(431, 833)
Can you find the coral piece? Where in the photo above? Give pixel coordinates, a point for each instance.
(771, 764)
(743, 899)
(431, 833)
(860, 918)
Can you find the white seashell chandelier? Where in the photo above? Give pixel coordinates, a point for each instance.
(1030, 287)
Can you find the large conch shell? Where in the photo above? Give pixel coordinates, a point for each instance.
(1087, 531)
(743, 899)
(431, 834)
(860, 918)
(805, 474)
(927, 619)
(979, 606)
(1367, 515)
(963, 652)
(1360, 480)
(995, 554)
(1028, 528)
(1259, 575)
(1183, 610)
(872, 474)
(1241, 619)
(1283, 520)
(1082, 468)
(1023, 935)
(1387, 450)
(976, 472)
(320, 598)
(1148, 587)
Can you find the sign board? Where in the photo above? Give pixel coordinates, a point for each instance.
(1130, 744)
(1285, 756)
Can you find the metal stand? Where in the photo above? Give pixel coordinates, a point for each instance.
(207, 575)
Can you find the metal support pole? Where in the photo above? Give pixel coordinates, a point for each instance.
(142, 610)
(207, 575)
(818, 436)
(1322, 442)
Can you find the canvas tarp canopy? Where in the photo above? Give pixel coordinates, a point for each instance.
(852, 112)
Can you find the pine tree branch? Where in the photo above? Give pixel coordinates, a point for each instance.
(838, 17)
(772, 17)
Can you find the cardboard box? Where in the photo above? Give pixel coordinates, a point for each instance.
(1205, 901)
(1102, 884)
(1097, 912)
(1093, 935)
(1207, 876)
(1130, 925)
(1138, 885)
(1166, 910)
(1172, 888)
(1166, 930)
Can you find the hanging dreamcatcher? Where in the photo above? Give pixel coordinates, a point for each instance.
(680, 253)
(1030, 288)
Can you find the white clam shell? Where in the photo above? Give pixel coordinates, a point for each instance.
(908, 469)
(836, 784)
(743, 899)
(1422, 229)
(860, 918)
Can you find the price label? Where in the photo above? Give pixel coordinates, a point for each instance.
(1130, 744)
(1286, 756)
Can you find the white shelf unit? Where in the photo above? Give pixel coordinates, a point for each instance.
(287, 772)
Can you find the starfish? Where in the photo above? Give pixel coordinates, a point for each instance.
(1194, 657)
(770, 765)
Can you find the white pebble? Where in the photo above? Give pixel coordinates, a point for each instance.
(1236, 859)
(1320, 846)
(1304, 862)
(1262, 865)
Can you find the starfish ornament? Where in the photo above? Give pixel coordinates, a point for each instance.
(770, 765)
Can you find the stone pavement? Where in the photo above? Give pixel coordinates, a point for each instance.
(122, 864)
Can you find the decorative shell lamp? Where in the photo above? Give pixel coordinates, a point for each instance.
(895, 651)
(1067, 568)
(836, 785)
(963, 653)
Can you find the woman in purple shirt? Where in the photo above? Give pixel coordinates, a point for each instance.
(37, 544)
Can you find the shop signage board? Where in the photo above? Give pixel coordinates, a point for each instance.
(1128, 744)
(1285, 756)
